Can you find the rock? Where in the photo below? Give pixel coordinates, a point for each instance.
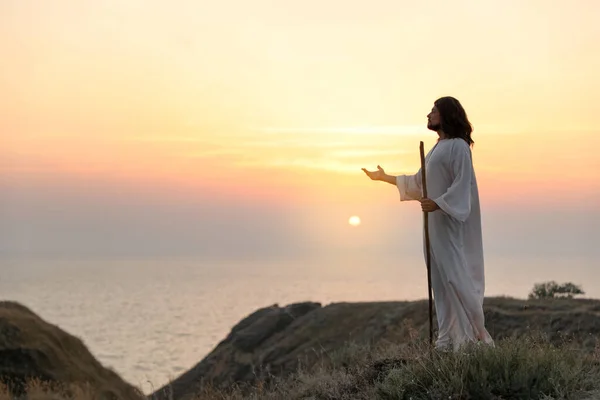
(31, 348)
(240, 356)
(267, 323)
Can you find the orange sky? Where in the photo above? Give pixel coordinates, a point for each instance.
(280, 98)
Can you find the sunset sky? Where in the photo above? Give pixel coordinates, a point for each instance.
(238, 128)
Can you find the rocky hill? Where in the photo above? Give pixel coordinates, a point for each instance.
(33, 348)
(275, 341)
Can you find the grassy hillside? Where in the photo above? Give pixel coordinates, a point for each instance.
(529, 367)
(545, 349)
(276, 341)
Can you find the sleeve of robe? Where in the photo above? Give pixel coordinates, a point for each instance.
(456, 201)
(409, 186)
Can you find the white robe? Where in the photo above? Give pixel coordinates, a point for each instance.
(457, 267)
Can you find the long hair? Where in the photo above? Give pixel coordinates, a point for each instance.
(454, 121)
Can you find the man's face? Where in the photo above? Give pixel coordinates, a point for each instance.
(434, 121)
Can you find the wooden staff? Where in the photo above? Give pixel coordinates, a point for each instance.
(427, 246)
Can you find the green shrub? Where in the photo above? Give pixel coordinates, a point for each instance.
(550, 290)
(524, 368)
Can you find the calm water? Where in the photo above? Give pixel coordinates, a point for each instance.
(150, 320)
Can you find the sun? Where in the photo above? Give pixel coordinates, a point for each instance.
(354, 220)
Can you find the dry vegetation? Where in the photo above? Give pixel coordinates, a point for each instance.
(544, 350)
(526, 368)
(529, 367)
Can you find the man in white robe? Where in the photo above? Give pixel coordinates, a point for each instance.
(457, 262)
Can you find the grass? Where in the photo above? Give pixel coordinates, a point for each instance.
(39, 390)
(525, 368)
(529, 367)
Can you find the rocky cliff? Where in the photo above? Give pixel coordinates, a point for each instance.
(31, 348)
(273, 341)
(277, 340)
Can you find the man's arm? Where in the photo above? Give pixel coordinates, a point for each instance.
(409, 186)
(391, 179)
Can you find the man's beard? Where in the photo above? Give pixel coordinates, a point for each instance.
(433, 127)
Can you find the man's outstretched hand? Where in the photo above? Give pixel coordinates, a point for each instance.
(380, 175)
(376, 175)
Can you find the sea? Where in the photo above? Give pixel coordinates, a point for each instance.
(151, 319)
